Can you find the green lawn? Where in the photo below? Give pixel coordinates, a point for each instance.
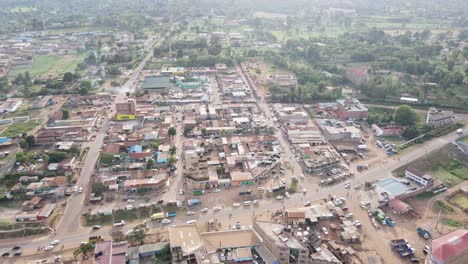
(51, 65)
(445, 208)
(454, 223)
(461, 200)
(20, 128)
(445, 176)
(464, 139)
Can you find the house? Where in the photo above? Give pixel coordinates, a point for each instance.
(126, 110)
(451, 248)
(156, 83)
(25, 217)
(387, 131)
(32, 204)
(357, 76)
(351, 109)
(438, 118)
(417, 176)
(295, 217)
(239, 178)
(285, 82)
(151, 184)
(10, 105)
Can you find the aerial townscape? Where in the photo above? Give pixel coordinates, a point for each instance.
(234, 131)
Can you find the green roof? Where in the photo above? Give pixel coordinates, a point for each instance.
(156, 83)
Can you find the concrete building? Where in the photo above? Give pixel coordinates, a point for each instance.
(285, 82)
(280, 241)
(107, 252)
(438, 118)
(417, 176)
(10, 105)
(351, 109)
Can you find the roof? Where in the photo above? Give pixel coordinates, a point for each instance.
(105, 247)
(392, 186)
(450, 245)
(230, 239)
(399, 206)
(186, 237)
(156, 83)
(415, 171)
(241, 176)
(295, 214)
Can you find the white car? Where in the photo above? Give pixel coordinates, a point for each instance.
(181, 192)
(279, 197)
(247, 203)
(255, 202)
(191, 222)
(216, 190)
(235, 205)
(80, 190)
(129, 232)
(204, 210)
(325, 231)
(55, 242)
(166, 221)
(357, 223)
(216, 208)
(350, 215)
(75, 188)
(287, 195)
(130, 201)
(261, 189)
(307, 203)
(190, 213)
(49, 248)
(302, 176)
(304, 191)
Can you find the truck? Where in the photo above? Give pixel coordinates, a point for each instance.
(390, 222)
(171, 214)
(407, 253)
(423, 233)
(397, 242)
(157, 216)
(95, 239)
(198, 192)
(193, 202)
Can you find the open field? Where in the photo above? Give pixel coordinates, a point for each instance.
(445, 176)
(20, 128)
(50, 65)
(460, 200)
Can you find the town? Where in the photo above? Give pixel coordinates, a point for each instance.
(217, 144)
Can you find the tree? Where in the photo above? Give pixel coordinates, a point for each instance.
(98, 188)
(65, 114)
(23, 144)
(85, 86)
(30, 141)
(68, 77)
(405, 115)
(138, 235)
(173, 150)
(74, 150)
(171, 160)
(410, 132)
(187, 131)
(118, 236)
(57, 156)
(84, 250)
(203, 131)
(149, 164)
(180, 53)
(172, 131)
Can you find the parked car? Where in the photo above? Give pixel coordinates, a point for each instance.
(190, 213)
(216, 190)
(325, 231)
(119, 223)
(204, 210)
(55, 242)
(279, 197)
(191, 222)
(287, 195)
(166, 221)
(96, 227)
(5, 253)
(235, 205)
(17, 247)
(130, 201)
(181, 192)
(80, 190)
(255, 202)
(261, 189)
(247, 203)
(216, 208)
(17, 253)
(49, 248)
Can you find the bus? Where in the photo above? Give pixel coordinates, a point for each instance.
(157, 216)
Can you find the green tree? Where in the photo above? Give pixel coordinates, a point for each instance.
(172, 131)
(85, 87)
(74, 150)
(23, 144)
(187, 131)
(203, 131)
(137, 237)
(171, 160)
(118, 236)
(84, 250)
(65, 114)
(57, 156)
(410, 132)
(180, 53)
(173, 150)
(149, 164)
(405, 115)
(21, 157)
(68, 77)
(98, 188)
(30, 141)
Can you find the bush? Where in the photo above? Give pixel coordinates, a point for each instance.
(107, 159)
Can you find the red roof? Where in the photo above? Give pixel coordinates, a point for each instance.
(450, 245)
(399, 206)
(140, 155)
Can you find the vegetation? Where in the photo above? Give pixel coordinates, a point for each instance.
(444, 208)
(17, 129)
(460, 200)
(454, 223)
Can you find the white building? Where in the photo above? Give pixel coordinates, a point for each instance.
(420, 178)
(10, 105)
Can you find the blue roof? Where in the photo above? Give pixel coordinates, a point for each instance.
(4, 139)
(392, 186)
(136, 149)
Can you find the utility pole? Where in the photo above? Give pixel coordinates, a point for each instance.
(438, 218)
